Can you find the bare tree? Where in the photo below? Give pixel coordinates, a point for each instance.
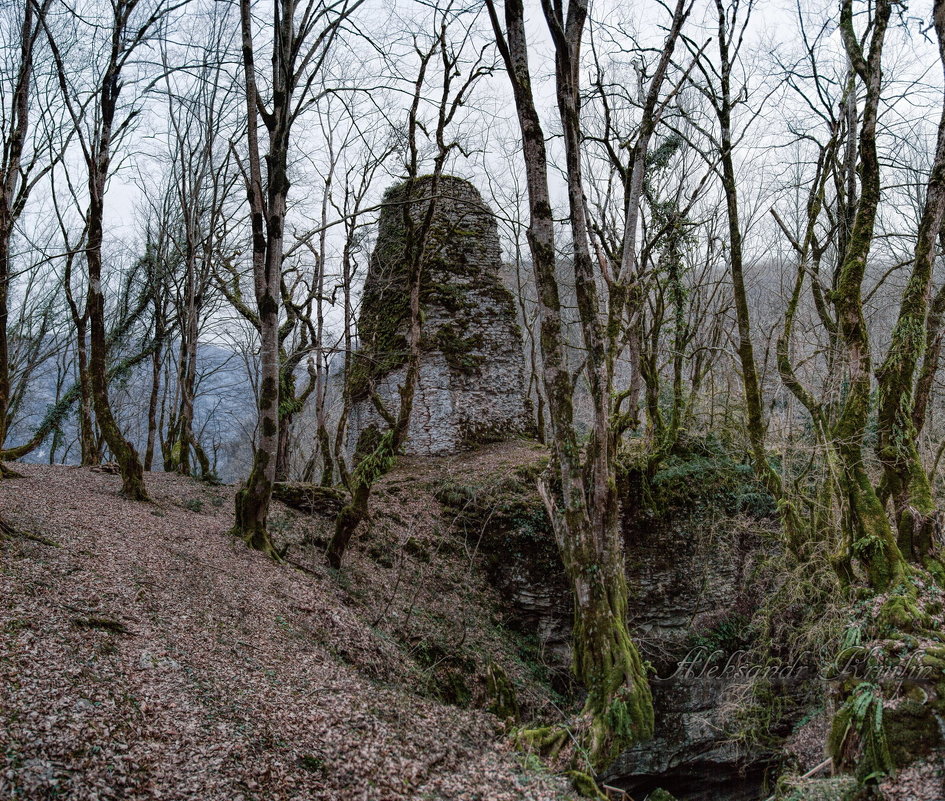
(417, 201)
(200, 182)
(22, 165)
(100, 120)
(302, 37)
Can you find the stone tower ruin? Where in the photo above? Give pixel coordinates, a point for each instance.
(471, 386)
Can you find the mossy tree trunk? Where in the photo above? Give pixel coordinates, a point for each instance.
(897, 436)
(868, 533)
(291, 400)
(320, 367)
(931, 354)
(267, 205)
(618, 710)
(122, 450)
(580, 488)
(156, 359)
(810, 252)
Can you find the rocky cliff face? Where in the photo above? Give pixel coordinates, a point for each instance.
(692, 584)
(691, 576)
(471, 386)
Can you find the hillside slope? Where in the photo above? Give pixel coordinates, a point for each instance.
(147, 654)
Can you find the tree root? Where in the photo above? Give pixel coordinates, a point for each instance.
(553, 743)
(36, 538)
(253, 541)
(585, 784)
(545, 740)
(9, 472)
(6, 529)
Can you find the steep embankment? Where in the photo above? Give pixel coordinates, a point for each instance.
(146, 654)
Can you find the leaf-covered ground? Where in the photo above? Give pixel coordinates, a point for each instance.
(144, 653)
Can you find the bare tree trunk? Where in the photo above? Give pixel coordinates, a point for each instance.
(252, 501)
(88, 438)
(297, 56)
(152, 408)
(376, 464)
(154, 264)
(417, 199)
(321, 371)
(755, 422)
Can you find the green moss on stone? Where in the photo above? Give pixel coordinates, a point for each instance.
(837, 788)
(911, 731)
(450, 281)
(459, 351)
(503, 701)
(584, 784)
(901, 613)
(659, 794)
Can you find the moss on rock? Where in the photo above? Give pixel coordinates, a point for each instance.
(912, 731)
(310, 498)
(439, 233)
(901, 613)
(584, 784)
(503, 701)
(449, 281)
(659, 794)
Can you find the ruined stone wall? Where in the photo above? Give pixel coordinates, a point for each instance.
(471, 386)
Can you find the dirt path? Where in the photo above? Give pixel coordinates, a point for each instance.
(146, 654)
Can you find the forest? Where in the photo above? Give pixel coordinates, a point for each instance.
(472, 399)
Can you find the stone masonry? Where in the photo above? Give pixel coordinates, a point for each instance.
(471, 386)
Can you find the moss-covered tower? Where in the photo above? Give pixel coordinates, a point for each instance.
(471, 385)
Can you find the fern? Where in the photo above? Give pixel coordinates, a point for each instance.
(860, 722)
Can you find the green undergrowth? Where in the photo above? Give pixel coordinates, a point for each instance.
(786, 619)
(807, 642)
(883, 680)
(700, 476)
(835, 788)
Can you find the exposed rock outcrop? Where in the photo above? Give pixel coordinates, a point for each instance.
(689, 599)
(691, 576)
(471, 387)
(310, 498)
